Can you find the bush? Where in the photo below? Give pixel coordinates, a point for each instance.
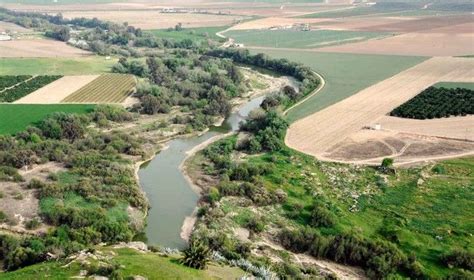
(459, 258)
(196, 255)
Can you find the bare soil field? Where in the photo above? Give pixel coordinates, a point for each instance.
(422, 36)
(430, 24)
(417, 44)
(371, 146)
(321, 131)
(8, 26)
(461, 128)
(39, 48)
(269, 22)
(58, 90)
(156, 20)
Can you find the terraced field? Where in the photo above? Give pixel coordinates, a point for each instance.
(107, 88)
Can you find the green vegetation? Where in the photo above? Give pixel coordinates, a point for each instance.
(345, 74)
(16, 117)
(55, 66)
(24, 88)
(400, 223)
(196, 34)
(300, 39)
(9, 81)
(454, 85)
(89, 203)
(107, 88)
(130, 263)
(437, 102)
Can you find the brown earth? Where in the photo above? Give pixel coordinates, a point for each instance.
(8, 26)
(39, 48)
(156, 20)
(58, 90)
(430, 24)
(417, 44)
(371, 146)
(269, 22)
(461, 128)
(321, 131)
(19, 203)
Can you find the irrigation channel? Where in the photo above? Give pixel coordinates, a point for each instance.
(170, 195)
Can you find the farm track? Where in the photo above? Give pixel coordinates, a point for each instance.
(319, 132)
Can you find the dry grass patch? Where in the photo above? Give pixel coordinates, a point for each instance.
(107, 88)
(153, 19)
(39, 48)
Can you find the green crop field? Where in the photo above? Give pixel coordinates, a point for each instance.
(196, 34)
(108, 88)
(300, 39)
(454, 85)
(16, 117)
(55, 66)
(345, 74)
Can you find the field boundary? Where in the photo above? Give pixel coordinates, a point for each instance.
(316, 134)
(315, 91)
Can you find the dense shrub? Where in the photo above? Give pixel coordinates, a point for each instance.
(460, 259)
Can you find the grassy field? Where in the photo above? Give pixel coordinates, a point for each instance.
(345, 74)
(300, 39)
(55, 66)
(455, 85)
(196, 34)
(149, 265)
(428, 219)
(107, 88)
(16, 117)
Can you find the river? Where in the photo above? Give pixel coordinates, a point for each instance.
(170, 196)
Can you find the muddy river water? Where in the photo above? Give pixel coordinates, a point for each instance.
(170, 195)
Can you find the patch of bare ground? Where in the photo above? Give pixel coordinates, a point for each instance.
(461, 128)
(39, 48)
(415, 44)
(270, 22)
(371, 146)
(11, 27)
(320, 131)
(153, 19)
(20, 204)
(429, 24)
(58, 90)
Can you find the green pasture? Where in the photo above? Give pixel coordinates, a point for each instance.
(16, 117)
(198, 33)
(345, 74)
(454, 85)
(428, 220)
(132, 263)
(300, 39)
(55, 66)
